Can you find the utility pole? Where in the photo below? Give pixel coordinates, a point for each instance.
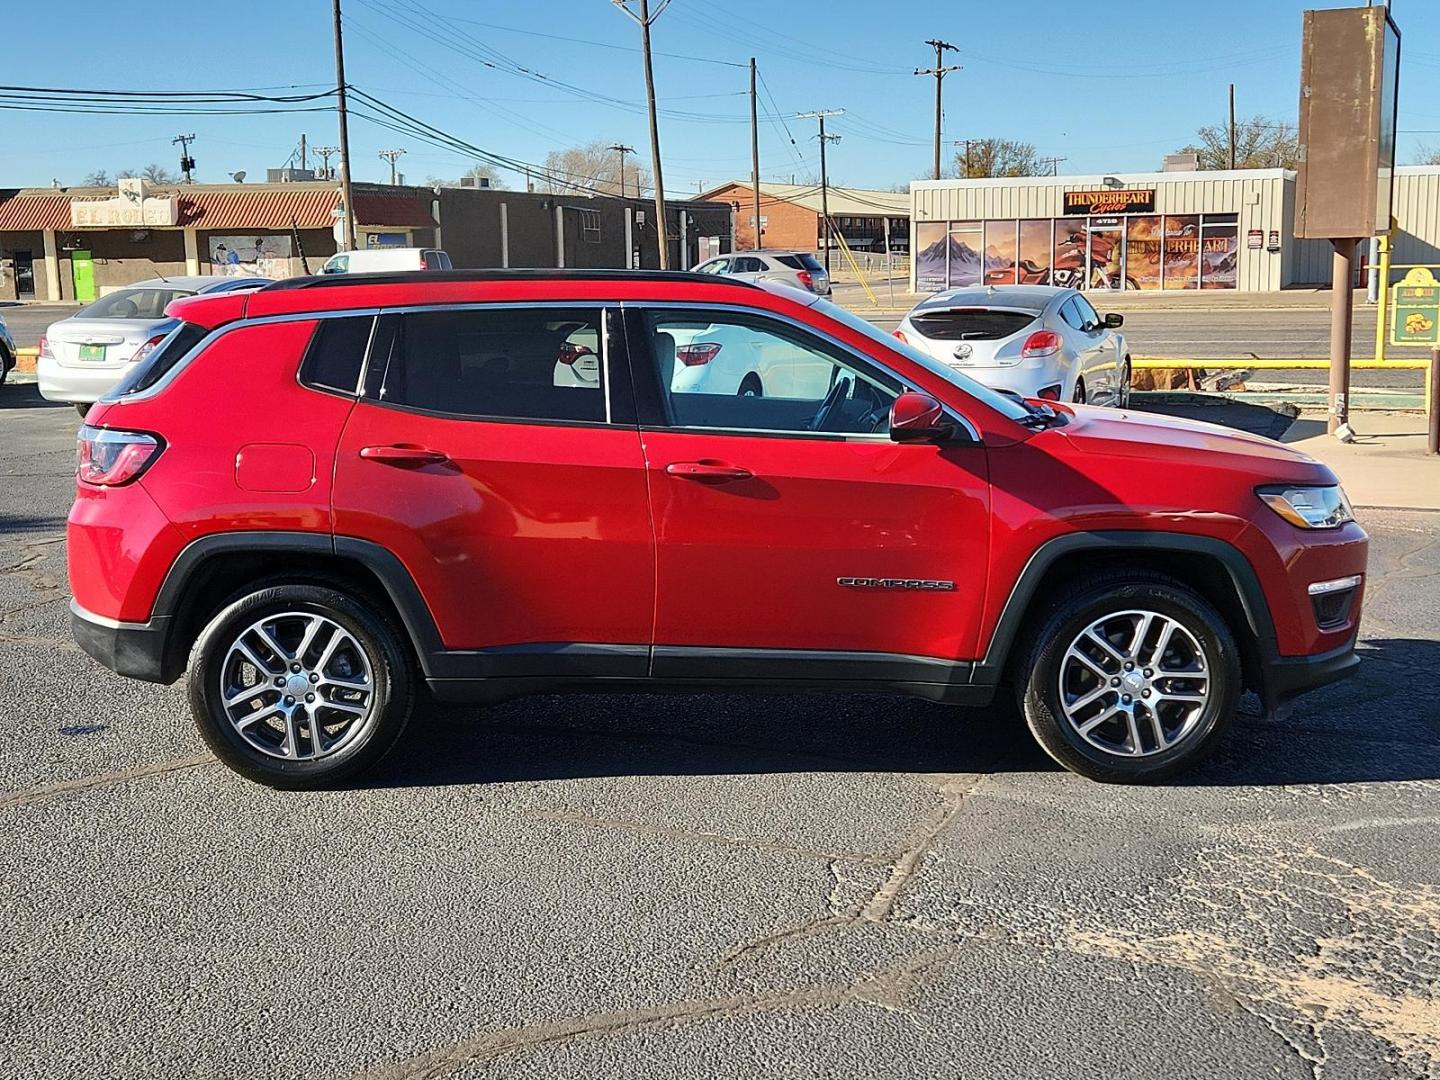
(325, 153)
(965, 170)
(347, 193)
(622, 149)
(1053, 162)
(939, 71)
(1232, 125)
(829, 232)
(645, 18)
(755, 158)
(392, 156)
(187, 163)
(302, 150)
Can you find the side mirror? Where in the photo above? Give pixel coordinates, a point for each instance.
(919, 418)
(1114, 321)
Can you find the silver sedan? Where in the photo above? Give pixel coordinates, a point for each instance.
(1038, 341)
(84, 356)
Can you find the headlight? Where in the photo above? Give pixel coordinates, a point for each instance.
(1309, 507)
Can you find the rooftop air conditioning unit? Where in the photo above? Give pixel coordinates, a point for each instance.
(290, 176)
(1181, 163)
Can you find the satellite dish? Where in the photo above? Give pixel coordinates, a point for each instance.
(238, 177)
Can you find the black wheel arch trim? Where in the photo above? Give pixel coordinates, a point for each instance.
(1018, 606)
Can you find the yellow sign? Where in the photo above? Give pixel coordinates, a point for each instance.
(1415, 309)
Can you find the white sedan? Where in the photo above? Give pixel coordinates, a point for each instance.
(1035, 340)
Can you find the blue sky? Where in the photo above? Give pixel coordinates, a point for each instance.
(1108, 93)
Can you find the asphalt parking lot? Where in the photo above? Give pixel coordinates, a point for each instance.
(658, 886)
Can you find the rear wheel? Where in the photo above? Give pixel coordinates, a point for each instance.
(1122, 392)
(82, 407)
(1130, 678)
(1079, 396)
(300, 686)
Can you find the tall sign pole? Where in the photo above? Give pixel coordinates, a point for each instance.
(939, 71)
(755, 158)
(347, 194)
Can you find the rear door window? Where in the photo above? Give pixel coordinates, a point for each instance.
(971, 324)
(1070, 312)
(540, 364)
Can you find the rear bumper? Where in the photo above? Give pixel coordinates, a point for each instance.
(1290, 676)
(136, 650)
(59, 382)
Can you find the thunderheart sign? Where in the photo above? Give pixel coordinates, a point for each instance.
(1111, 201)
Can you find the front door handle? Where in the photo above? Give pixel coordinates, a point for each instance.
(404, 455)
(708, 472)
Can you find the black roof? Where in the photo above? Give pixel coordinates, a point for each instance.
(412, 277)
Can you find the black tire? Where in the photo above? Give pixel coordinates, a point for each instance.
(750, 386)
(1039, 671)
(1122, 398)
(1079, 396)
(82, 407)
(393, 687)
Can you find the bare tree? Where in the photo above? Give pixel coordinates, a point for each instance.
(1260, 143)
(154, 173)
(592, 167)
(98, 178)
(1426, 155)
(996, 157)
(479, 172)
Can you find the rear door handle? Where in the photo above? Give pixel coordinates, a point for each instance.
(708, 472)
(404, 455)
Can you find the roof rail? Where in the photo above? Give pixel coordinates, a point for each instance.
(418, 277)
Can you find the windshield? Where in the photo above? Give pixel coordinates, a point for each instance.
(132, 304)
(1005, 406)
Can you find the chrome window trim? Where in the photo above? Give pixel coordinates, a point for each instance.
(905, 384)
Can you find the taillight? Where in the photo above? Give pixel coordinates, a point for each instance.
(806, 279)
(570, 353)
(695, 355)
(111, 458)
(901, 335)
(1041, 343)
(45, 352)
(145, 350)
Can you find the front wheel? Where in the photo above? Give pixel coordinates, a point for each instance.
(82, 407)
(1122, 392)
(1129, 679)
(300, 686)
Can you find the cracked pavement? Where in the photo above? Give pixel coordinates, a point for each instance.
(665, 886)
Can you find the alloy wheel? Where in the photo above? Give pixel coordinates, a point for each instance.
(1134, 683)
(297, 686)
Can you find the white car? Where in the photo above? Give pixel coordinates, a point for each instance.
(799, 269)
(1035, 340)
(386, 260)
(84, 356)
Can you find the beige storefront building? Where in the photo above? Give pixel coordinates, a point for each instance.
(1146, 231)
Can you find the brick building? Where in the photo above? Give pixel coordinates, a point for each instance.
(790, 216)
(78, 243)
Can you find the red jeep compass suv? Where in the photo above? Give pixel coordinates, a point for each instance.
(331, 494)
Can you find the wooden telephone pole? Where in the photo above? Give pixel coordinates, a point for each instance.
(755, 158)
(829, 232)
(939, 71)
(644, 18)
(347, 195)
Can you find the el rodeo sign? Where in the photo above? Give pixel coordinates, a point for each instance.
(1111, 201)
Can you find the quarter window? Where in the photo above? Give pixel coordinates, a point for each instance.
(719, 371)
(504, 363)
(336, 354)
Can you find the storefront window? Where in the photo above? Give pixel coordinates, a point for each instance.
(1142, 252)
(1182, 251)
(1000, 253)
(929, 256)
(965, 247)
(1107, 250)
(1219, 254)
(1072, 246)
(1034, 261)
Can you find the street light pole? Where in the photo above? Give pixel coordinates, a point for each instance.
(645, 18)
(347, 194)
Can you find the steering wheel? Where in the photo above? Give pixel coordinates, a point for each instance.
(830, 404)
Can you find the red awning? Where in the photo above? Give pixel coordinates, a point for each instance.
(23, 213)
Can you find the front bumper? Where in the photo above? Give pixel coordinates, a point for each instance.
(136, 650)
(1286, 677)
